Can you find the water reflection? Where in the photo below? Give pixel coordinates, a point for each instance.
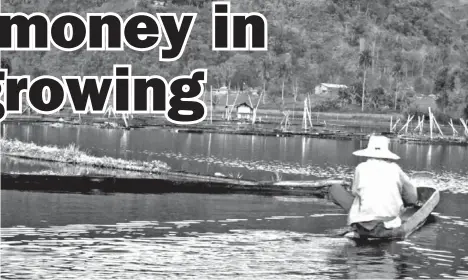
(78, 134)
(373, 261)
(305, 150)
(124, 143)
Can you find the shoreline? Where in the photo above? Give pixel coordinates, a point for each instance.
(336, 130)
(144, 177)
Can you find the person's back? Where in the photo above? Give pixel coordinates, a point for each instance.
(380, 188)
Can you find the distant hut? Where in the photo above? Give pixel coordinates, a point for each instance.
(328, 89)
(244, 111)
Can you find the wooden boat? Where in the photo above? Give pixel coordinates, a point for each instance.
(412, 218)
(167, 182)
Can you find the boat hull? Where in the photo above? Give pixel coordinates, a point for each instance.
(413, 217)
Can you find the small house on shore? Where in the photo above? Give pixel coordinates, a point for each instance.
(244, 111)
(327, 89)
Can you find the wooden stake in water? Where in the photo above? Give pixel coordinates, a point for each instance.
(430, 122)
(211, 101)
(234, 104)
(422, 124)
(254, 117)
(391, 123)
(465, 125)
(304, 116)
(419, 124)
(395, 126)
(405, 127)
(250, 101)
(454, 131)
(124, 117)
(310, 117)
(437, 124)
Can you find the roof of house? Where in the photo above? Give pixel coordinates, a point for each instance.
(243, 104)
(333, 85)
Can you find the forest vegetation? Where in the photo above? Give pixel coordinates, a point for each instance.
(391, 52)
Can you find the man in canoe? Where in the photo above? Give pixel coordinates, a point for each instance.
(379, 193)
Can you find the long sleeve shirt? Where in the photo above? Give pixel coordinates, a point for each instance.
(381, 190)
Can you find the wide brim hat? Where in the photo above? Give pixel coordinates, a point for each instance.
(377, 148)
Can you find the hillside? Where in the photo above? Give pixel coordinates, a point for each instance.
(404, 48)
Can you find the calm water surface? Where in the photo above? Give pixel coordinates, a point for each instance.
(125, 236)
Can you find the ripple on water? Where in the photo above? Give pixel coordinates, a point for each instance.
(240, 253)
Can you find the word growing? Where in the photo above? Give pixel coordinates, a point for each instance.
(179, 100)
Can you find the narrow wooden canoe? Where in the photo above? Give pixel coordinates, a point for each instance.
(413, 217)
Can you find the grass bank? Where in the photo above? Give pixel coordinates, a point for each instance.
(73, 155)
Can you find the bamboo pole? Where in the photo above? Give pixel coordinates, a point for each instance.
(264, 86)
(409, 122)
(250, 101)
(211, 101)
(304, 115)
(465, 125)
(455, 132)
(125, 120)
(258, 104)
(394, 127)
(430, 122)
(391, 123)
(422, 125)
(234, 104)
(259, 99)
(405, 127)
(419, 124)
(227, 105)
(310, 118)
(435, 121)
(227, 97)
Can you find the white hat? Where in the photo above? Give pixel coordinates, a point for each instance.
(377, 148)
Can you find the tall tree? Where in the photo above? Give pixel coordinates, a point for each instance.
(443, 85)
(365, 61)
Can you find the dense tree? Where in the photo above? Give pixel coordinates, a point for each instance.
(443, 85)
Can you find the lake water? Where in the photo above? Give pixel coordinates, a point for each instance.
(123, 236)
